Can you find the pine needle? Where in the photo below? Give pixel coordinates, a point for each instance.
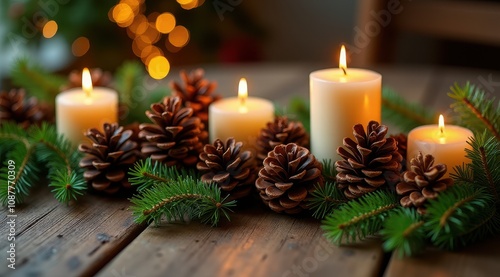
(182, 198)
(475, 110)
(324, 200)
(403, 232)
(359, 218)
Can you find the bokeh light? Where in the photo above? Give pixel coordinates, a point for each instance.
(80, 46)
(165, 23)
(179, 36)
(123, 14)
(49, 29)
(158, 67)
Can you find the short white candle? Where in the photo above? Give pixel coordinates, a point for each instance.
(80, 109)
(446, 143)
(240, 117)
(341, 98)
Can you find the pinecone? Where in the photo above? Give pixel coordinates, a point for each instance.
(280, 131)
(225, 165)
(196, 93)
(26, 112)
(99, 78)
(175, 137)
(289, 175)
(366, 160)
(402, 141)
(423, 181)
(108, 160)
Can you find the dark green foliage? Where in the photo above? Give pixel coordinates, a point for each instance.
(35, 151)
(475, 110)
(298, 109)
(37, 81)
(359, 218)
(403, 114)
(324, 200)
(180, 198)
(404, 232)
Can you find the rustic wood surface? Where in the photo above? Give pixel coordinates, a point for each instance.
(97, 236)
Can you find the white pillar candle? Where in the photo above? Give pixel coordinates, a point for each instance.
(240, 117)
(341, 98)
(80, 109)
(446, 143)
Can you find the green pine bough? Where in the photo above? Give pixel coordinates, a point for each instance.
(35, 152)
(172, 194)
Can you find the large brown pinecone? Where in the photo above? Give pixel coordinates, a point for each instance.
(367, 160)
(229, 168)
(175, 137)
(290, 174)
(423, 181)
(402, 141)
(99, 78)
(196, 93)
(109, 158)
(26, 112)
(280, 131)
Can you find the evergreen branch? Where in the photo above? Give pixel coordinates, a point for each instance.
(325, 199)
(461, 215)
(37, 81)
(329, 172)
(298, 109)
(182, 197)
(359, 218)
(403, 232)
(147, 173)
(403, 114)
(475, 110)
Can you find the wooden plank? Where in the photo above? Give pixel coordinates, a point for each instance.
(257, 242)
(54, 239)
(479, 260)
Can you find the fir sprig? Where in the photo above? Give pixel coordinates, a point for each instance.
(36, 80)
(475, 110)
(404, 232)
(460, 215)
(403, 114)
(329, 172)
(324, 200)
(359, 218)
(34, 151)
(147, 173)
(184, 197)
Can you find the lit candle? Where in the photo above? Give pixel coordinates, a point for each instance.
(446, 143)
(341, 98)
(80, 109)
(240, 117)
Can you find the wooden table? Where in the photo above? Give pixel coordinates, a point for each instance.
(97, 235)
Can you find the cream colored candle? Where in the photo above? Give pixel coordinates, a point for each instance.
(80, 109)
(240, 117)
(446, 143)
(341, 98)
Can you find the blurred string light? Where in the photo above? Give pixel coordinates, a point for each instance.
(149, 31)
(49, 29)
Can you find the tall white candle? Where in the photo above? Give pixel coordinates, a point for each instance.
(80, 109)
(341, 98)
(446, 143)
(240, 117)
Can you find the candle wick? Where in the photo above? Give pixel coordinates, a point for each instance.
(343, 69)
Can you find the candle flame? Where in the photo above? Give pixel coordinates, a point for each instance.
(343, 60)
(86, 81)
(243, 94)
(441, 125)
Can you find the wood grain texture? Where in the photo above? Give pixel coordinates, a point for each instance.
(478, 260)
(54, 239)
(257, 242)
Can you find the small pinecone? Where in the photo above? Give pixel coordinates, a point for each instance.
(175, 137)
(366, 160)
(196, 93)
(99, 78)
(26, 112)
(108, 160)
(423, 181)
(225, 165)
(280, 131)
(290, 174)
(402, 141)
